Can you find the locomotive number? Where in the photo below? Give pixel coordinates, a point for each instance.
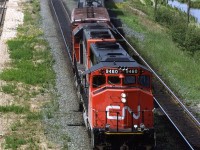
(122, 117)
(112, 71)
(115, 71)
(131, 71)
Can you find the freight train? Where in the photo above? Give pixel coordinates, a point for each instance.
(115, 91)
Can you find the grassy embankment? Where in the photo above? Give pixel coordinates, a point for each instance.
(180, 70)
(29, 81)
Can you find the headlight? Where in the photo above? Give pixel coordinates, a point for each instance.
(123, 100)
(135, 126)
(123, 95)
(142, 126)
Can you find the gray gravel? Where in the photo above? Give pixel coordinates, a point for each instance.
(58, 124)
(131, 33)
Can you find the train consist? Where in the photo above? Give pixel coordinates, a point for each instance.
(114, 89)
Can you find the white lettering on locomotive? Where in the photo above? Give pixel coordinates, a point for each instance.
(112, 71)
(122, 117)
(127, 71)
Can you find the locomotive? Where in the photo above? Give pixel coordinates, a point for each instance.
(115, 91)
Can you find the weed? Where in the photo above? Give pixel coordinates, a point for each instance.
(14, 142)
(66, 138)
(9, 89)
(14, 108)
(49, 114)
(16, 125)
(34, 116)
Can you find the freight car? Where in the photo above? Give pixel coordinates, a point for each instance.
(115, 91)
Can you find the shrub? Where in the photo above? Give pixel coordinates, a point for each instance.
(188, 37)
(164, 16)
(192, 39)
(179, 30)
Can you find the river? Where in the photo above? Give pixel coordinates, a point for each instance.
(183, 7)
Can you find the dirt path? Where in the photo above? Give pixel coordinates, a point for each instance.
(14, 17)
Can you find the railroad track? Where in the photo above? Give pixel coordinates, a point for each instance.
(180, 117)
(2, 13)
(63, 20)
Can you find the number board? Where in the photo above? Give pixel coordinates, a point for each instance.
(116, 71)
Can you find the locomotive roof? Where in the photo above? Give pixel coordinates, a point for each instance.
(90, 27)
(96, 33)
(90, 14)
(112, 55)
(111, 50)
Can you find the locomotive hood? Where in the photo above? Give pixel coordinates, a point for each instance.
(134, 111)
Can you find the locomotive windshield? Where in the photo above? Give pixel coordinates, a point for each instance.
(114, 80)
(129, 80)
(98, 80)
(121, 80)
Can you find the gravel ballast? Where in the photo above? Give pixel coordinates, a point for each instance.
(65, 126)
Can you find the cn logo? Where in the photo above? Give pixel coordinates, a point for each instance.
(108, 108)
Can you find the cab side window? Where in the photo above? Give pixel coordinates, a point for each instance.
(144, 81)
(98, 81)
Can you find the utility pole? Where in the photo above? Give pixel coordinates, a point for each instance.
(155, 9)
(188, 12)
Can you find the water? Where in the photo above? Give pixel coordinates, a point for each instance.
(183, 7)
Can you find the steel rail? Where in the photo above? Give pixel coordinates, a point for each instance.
(3, 7)
(186, 141)
(171, 92)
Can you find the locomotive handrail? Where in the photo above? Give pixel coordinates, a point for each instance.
(156, 75)
(141, 111)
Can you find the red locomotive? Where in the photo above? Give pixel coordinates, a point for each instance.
(115, 90)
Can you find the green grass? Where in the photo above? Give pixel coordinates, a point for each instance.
(32, 62)
(14, 108)
(16, 125)
(29, 73)
(14, 142)
(31, 59)
(179, 70)
(9, 89)
(34, 116)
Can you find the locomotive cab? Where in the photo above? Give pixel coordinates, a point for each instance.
(120, 103)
